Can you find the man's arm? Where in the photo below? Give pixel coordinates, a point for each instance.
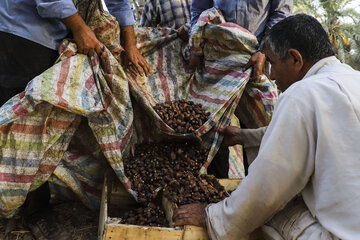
(279, 10)
(281, 170)
(248, 137)
(84, 37)
(197, 7)
(257, 61)
(65, 10)
(133, 60)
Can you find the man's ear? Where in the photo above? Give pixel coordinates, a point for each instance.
(295, 58)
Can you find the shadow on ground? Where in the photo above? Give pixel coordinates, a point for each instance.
(80, 221)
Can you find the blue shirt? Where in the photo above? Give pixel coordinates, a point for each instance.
(40, 20)
(257, 16)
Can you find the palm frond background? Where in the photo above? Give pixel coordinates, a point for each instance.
(341, 22)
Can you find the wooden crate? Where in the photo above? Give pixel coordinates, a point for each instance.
(116, 199)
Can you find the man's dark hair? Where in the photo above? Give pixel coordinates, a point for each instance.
(301, 32)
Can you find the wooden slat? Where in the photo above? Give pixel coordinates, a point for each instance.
(119, 196)
(103, 208)
(195, 233)
(199, 233)
(132, 232)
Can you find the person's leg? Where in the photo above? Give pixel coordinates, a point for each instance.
(20, 61)
(316, 232)
(296, 222)
(37, 200)
(7, 93)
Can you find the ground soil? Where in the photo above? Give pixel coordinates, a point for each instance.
(77, 219)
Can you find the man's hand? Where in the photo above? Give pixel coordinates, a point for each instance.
(256, 61)
(86, 41)
(232, 136)
(84, 37)
(196, 62)
(190, 214)
(133, 61)
(183, 34)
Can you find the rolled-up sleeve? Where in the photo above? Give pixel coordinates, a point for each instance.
(56, 8)
(121, 9)
(280, 9)
(253, 137)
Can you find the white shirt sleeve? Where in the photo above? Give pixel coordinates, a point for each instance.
(253, 137)
(280, 171)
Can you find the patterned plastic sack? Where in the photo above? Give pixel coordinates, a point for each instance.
(37, 125)
(226, 48)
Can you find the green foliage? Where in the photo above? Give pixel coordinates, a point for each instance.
(341, 22)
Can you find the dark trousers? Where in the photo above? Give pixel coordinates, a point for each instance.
(20, 61)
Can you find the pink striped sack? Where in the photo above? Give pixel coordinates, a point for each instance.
(226, 48)
(37, 125)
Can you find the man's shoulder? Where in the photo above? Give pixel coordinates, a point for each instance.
(325, 85)
(312, 91)
(308, 85)
(327, 77)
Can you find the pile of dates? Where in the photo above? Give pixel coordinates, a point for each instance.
(157, 165)
(194, 189)
(182, 116)
(172, 167)
(151, 215)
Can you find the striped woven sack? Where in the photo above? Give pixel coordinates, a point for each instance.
(226, 48)
(37, 125)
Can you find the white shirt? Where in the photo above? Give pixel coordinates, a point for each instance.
(311, 147)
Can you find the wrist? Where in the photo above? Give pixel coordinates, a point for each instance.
(203, 221)
(239, 138)
(130, 47)
(127, 36)
(74, 22)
